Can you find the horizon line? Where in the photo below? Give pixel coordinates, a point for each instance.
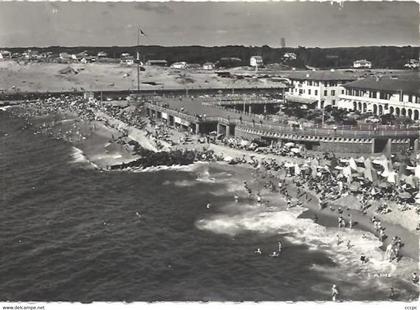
(208, 46)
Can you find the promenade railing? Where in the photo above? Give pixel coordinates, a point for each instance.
(268, 127)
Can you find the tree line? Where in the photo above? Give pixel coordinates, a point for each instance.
(341, 57)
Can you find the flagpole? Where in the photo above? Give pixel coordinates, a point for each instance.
(138, 62)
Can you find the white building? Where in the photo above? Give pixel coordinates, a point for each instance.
(320, 87)
(412, 64)
(179, 65)
(128, 60)
(64, 56)
(5, 55)
(208, 66)
(399, 97)
(362, 63)
(289, 56)
(256, 61)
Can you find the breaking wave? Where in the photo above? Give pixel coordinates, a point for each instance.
(301, 231)
(79, 157)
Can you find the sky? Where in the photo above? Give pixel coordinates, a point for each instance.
(309, 24)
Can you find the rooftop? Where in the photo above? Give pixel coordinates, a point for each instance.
(322, 76)
(407, 86)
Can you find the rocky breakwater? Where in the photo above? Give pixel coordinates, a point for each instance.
(150, 158)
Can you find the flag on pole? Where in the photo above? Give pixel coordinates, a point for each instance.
(141, 33)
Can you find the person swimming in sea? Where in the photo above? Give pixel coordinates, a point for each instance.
(339, 240)
(258, 251)
(259, 198)
(414, 278)
(208, 205)
(236, 197)
(391, 293)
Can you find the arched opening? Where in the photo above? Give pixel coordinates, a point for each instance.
(416, 115)
(381, 110)
(397, 111)
(354, 106)
(375, 109)
(364, 106)
(403, 112)
(360, 106)
(391, 110)
(410, 113)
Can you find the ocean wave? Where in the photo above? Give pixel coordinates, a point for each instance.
(79, 157)
(5, 108)
(305, 232)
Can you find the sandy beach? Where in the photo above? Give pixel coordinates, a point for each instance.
(46, 77)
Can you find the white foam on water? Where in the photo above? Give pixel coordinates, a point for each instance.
(185, 168)
(5, 108)
(306, 232)
(79, 157)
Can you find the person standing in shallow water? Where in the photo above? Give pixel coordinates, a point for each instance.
(334, 292)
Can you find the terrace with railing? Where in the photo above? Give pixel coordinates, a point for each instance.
(271, 128)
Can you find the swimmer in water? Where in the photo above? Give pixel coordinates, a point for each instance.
(258, 251)
(236, 197)
(414, 278)
(259, 198)
(392, 293)
(208, 205)
(339, 239)
(364, 259)
(275, 254)
(138, 214)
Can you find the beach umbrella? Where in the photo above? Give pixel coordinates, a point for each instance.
(228, 158)
(384, 185)
(405, 195)
(354, 187)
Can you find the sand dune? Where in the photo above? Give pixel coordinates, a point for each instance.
(42, 77)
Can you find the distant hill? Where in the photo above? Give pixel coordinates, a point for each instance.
(392, 57)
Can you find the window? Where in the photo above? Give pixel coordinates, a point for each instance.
(300, 92)
(309, 91)
(333, 102)
(325, 92)
(316, 92)
(342, 92)
(333, 92)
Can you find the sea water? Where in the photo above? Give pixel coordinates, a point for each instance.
(70, 233)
